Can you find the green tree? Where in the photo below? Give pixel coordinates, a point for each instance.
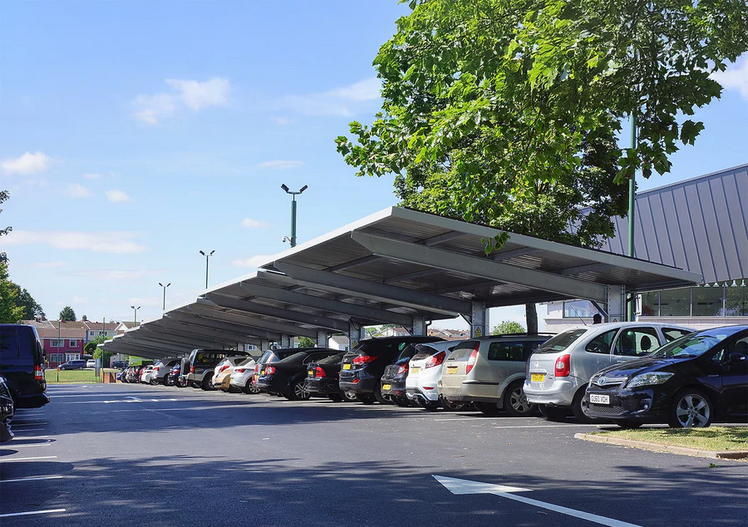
(67, 314)
(507, 327)
(508, 113)
(10, 311)
(306, 342)
(4, 195)
(31, 308)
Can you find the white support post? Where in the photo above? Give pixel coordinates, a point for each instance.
(321, 338)
(616, 308)
(479, 320)
(285, 341)
(419, 326)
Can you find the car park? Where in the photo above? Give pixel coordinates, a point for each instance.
(425, 372)
(287, 376)
(362, 368)
(202, 363)
(22, 365)
(73, 365)
(7, 409)
(323, 379)
(489, 372)
(559, 370)
(686, 383)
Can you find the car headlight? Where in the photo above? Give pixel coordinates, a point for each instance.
(649, 379)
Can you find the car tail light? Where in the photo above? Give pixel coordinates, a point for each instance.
(436, 360)
(563, 366)
(364, 359)
(257, 368)
(192, 369)
(472, 359)
(402, 369)
(38, 373)
(223, 368)
(269, 370)
(319, 372)
(240, 370)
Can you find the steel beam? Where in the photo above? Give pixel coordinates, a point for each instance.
(325, 304)
(177, 338)
(375, 291)
(441, 238)
(204, 320)
(412, 276)
(585, 268)
(480, 267)
(217, 336)
(273, 329)
(353, 263)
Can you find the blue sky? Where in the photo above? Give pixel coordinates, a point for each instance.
(134, 134)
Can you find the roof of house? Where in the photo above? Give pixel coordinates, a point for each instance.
(65, 333)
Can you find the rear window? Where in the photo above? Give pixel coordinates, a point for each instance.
(463, 350)
(407, 353)
(424, 351)
(672, 334)
(510, 351)
(332, 359)
(561, 341)
(9, 348)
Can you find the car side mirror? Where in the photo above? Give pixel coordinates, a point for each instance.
(737, 358)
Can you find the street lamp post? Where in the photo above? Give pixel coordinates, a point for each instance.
(293, 212)
(135, 317)
(207, 258)
(163, 308)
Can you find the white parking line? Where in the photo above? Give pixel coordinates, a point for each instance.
(49, 511)
(36, 423)
(35, 478)
(30, 430)
(38, 458)
(30, 446)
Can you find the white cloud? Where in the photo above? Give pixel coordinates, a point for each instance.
(249, 223)
(279, 164)
(150, 108)
(339, 102)
(114, 242)
(196, 95)
(49, 265)
(365, 90)
(91, 176)
(117, 196)
(80, 300)
(28, 163)
(253, 261)
(735, 77)
(78, 191)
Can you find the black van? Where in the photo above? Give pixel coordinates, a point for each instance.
(22, 364)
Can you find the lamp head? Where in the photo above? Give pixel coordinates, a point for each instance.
(284, 187)
(211, 252)
(167, 285)
(162, 285)
(302, 189)
(201, 252)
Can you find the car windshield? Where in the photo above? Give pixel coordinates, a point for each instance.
(294, 357)
(694, 344)
(561, 341)
(332, 359)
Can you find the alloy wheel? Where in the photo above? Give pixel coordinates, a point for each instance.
(693, 410)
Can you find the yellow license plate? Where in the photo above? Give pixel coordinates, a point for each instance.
(537, 377)
(311, 373)
(414, 370)
(386, 386)
(346, 366)
(451, 369)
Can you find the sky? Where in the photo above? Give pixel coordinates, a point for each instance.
(134, 134)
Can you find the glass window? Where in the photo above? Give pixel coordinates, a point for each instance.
(601, 343)
(675, 302)
(56, 343)
(513, 351)
(9, 344)
(651, 304)
(707, 301)
(736, 301)
(463, 350)
(673, 333)
(636, 341)
(696, 344)
(73, 343)
(579, 309)
(561, 341)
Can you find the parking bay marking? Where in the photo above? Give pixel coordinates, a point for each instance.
(465, 486)
(34, 478)
(48, 511)
(38, 458)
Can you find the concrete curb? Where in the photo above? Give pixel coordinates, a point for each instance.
(657, 447)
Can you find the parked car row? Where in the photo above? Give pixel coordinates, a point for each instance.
(628, 373)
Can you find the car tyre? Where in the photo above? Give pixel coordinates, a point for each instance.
(207, 384)
(381, 399)
(430, 406)
(250, 388)
(490, 409)
(402, 402)
(691, 408)
(515, 401)
(349, 396)
(628, 424)
(297, 391)
(576, 409)
(366, 398)
(335, 397)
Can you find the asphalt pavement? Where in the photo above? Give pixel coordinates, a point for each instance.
(109, 455)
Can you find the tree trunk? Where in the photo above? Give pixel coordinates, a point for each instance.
(531, 317)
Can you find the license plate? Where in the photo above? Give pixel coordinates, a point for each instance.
(599, 399)
(413, 371)
(451, 369)
(386, 386)
(537, 377)
(311, 373)
(346, 366)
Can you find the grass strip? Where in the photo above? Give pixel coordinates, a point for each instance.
(717, 438)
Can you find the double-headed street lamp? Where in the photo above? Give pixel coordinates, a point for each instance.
(163, 308)
(207, 258)
(293, 212)
(135, 316)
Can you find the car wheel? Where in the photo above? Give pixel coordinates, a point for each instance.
(576, 409)
(379, 396)
(335, 397)
(206, 384)
(298, 392)
(166, 380)
(349, 396)
(491, 409)
(251, 388)
(516, 403)
(452, 406)
(691, 408)
(553, 413)
(402, 401)
(431, 406)
(627, 424)
(367, 398)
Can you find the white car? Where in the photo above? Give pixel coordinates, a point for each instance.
(161, 370)
(147, 376)
(226, 368)
(241, 377)
(425, 371)
(91, 363)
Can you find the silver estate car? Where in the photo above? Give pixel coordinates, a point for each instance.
(489, 372)
(559, 370)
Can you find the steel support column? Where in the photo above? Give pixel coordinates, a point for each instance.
(616, 305)
(285, 341)
(419, 326)
(479, 320)
(356, 334)
(321, 338)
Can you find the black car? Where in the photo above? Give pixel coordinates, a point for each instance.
(22, 364)
(7, 409)
(686, 383)
(362, 368)
(77, 364)
(286, 377)
(392, 384)
(323, 378)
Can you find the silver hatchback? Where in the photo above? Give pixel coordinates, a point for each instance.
(559, 370)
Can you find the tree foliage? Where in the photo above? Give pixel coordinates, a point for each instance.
(31, 308)
(306, 342)
(507, 112)
(67, 314)
(10, 311)
(4, 195)
(507, 327)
